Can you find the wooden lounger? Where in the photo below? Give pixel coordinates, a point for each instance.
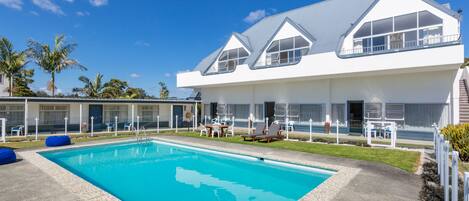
(272, 133)
(260, 127)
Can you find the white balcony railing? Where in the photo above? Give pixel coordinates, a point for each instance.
(396, 46)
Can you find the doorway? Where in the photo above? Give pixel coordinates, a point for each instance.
(355, 116)
(95, 111)
(269, 111)
(178, 112)
(213, 110)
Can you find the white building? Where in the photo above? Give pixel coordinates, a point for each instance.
(3, 85)
(394, 60)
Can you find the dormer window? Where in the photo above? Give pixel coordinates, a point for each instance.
(229, 59)
(404, 31)
(286, 51)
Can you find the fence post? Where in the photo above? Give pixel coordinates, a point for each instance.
(454, 176)
(66, 127)
(446, 171)
(205, 119)
(368, 132)
(442, 159)
(267, 123)
(466, 186)
(286, 125)
(92, 126)
(115, 126)
(158, 124)
(138, 125)
(36, 133)
(177, 121)
(193, 123)
(337, 131)
(310, 130)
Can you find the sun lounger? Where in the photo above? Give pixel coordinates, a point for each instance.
(272, 133)
(258, 132)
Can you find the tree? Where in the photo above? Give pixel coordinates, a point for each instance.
(41, 93)
(11, 62)
(466, 63)
(92, 88)
(135, 93)
(21, 86)
(164, 92)
(54, 61)
(115, 88)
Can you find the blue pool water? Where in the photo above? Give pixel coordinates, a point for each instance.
(161, 171)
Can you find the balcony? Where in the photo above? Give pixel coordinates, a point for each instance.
(399, 46)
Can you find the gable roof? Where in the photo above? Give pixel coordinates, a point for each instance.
(321, 21)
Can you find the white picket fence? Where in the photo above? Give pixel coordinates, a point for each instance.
(442, 155)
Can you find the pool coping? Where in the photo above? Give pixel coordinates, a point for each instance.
(87, 191)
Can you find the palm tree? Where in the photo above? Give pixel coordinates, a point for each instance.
(164, 92)
(466, 63)
(115, 88)
(56, 60)
(92, 88)
(11, 62)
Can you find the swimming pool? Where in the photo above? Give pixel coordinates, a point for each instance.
(164, 171)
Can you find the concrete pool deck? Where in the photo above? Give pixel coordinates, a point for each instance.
(366, 181)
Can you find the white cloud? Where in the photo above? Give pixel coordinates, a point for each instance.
(255, 16)
(167, 74)
(98, 3)
(15, 4)
(82, 13)
(134, 75)
(142, 43)
(48, 5)
(34, 13)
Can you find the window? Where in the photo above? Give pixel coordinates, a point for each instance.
(404, 22)
(430, 35)
(382, 26)
(424, 115)
(148, 113)
(395, 112)
(280, 112)
(112, 111)
(240, 111)
(373, 111)
(302, 113)
(53, 114)
(207, 110)
(13, 113)
(285, 51)
(222, 111)
(365, 30)
(427, 19)
(338, 113)
(259, 112)
(229, 59)
(404, 31)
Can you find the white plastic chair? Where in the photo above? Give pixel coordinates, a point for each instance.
(18, 129)
(290, 126)
(203, 130)
(230, 130)
(216, 129)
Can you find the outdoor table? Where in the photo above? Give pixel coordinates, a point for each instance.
(211, 126)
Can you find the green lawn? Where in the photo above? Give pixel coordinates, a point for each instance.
(405, 160)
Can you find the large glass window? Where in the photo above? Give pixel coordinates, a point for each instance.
(112, 111)
(148, 113)
(338, 113)
(280, 112)
(404, 31)
(229, 59)
(207, 110)
(53, 114)
(13, 113)
(288, 50)
(259, 112)
(424, 115)
(302, 113)
(373, 111)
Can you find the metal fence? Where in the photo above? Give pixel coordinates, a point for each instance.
(444, 161)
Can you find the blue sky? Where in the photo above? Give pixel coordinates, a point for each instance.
(142, 42)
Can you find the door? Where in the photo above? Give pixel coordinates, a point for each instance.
(355, 116)
(269, 111)
(178, 111)
(95, 111)
(213, 110)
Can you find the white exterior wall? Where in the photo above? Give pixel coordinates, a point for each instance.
(389, 8)
(424, 87)
(4, 86)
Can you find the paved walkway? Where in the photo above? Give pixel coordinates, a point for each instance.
(23, 181)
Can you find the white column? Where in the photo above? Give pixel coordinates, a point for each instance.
(3, 129)
(196, 114)
(26, 117)
(37, 122)
(115, 126)
(92, 126)
(66, 126)
(81, 117)
(158, 124)
(132, 115)
(138, 124)
(171, 117)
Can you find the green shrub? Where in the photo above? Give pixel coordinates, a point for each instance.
(458, 135)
